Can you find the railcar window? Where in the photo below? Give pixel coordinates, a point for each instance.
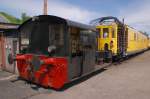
(137, 36)
(87, 39)
(134, 36)
(105, 32)
(98, 31)
(113, 33)
(75, 37)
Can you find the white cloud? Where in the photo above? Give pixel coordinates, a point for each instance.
(31, 7)
(55, 7)
(71, 12)
(137, 15)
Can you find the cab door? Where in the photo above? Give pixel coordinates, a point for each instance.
(104, 38)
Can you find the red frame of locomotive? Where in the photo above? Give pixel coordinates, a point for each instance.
(52, 72)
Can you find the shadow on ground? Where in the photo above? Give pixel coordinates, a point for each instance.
(80, 80)
(66, 86)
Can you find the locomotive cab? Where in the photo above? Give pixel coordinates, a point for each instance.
(41, 37)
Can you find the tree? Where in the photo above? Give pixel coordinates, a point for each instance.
(24, 17)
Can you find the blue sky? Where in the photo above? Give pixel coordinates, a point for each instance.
(135, 12)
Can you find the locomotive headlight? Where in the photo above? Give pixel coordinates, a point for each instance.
(51, 48)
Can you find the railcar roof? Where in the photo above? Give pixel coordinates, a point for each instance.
(59, 19)
(99, 20)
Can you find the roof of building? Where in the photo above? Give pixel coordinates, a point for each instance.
(3, 20)
(4, 26)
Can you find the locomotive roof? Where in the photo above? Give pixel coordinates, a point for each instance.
(49, 18)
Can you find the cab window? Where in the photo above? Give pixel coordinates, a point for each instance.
(105, 32)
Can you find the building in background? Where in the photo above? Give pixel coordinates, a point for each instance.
(8, 44)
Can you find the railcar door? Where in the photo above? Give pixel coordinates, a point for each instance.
(76, 55)
(82, 45)
(88, 42)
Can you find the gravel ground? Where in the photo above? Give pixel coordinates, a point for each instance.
(12, 88)
(128, 80)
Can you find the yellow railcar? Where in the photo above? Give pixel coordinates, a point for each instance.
(149, 42)
(137, 41)
(117, 40)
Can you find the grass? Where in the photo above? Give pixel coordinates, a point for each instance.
(10, 18)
